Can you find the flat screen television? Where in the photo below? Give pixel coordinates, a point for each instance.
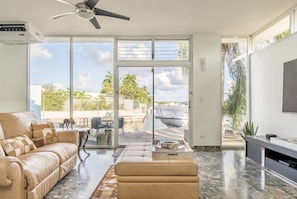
(290, 86)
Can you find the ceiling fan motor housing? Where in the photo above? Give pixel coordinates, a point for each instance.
(84, 12)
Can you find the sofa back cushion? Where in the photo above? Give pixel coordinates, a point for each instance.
(18, 124)
(44, 134)
(17, 146)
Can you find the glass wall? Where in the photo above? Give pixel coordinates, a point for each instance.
(50, 80)
(73, 80)
(278, 31)
(235, 70)
(93, 87)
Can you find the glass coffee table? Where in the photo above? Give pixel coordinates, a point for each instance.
(171, 150)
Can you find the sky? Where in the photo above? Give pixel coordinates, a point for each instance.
(49, 64)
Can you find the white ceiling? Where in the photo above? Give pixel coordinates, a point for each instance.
(150, 17)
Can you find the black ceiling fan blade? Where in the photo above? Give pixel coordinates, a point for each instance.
(95, 23)
(91, 3)
(109, 14)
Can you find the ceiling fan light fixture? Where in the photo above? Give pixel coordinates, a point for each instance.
(86, 14)
(84, 11)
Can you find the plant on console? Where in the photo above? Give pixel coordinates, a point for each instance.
(249, 129)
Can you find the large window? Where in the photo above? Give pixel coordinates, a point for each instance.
(171, 50)
(234, 62)
(72, 79)
(50, 80)
(153, 49)
(278, 29)
(134, 50)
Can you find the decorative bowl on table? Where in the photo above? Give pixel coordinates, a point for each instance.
(169, 145)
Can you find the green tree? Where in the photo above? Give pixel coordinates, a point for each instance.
(102, 103)
(282, 35)
(129, 86)
(143, 96)
(235, 104)
(83, 101)
(53, 99)
(107, 84)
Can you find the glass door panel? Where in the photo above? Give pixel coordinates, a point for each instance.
(171, 103)
(135, 105)
(142, 87)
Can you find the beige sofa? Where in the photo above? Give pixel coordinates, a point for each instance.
(28, 171)
(141, 177)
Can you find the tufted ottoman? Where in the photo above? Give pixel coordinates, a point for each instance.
(141, 177)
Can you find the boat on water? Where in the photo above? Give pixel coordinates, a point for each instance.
(172, 116)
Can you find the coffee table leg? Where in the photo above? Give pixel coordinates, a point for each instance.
(81, 135)
(86, 140)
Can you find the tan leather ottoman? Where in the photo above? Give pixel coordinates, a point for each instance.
(141, 177)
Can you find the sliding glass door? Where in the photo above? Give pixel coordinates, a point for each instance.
(153, 102)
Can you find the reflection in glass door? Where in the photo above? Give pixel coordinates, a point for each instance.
(171, 103)
(152, 92)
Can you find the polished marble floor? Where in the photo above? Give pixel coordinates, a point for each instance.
(225, 174)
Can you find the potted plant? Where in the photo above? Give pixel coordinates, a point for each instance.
(249, 129)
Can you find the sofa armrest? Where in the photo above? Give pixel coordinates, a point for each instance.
(6, 163)
(12, 180)
(70, 136)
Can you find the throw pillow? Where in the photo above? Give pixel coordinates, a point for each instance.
(44, 134)
(17, 146)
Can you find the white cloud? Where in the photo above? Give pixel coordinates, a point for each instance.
(95, 55)
(84, 81)
(171, 79)
(134, 51)
(37, 50)
(104, 58)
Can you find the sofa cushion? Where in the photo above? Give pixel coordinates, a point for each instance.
(44, 134)
(38, 166)
(63, 150)
(18, 124)
(17, 146)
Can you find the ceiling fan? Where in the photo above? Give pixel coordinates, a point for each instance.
(86, 10)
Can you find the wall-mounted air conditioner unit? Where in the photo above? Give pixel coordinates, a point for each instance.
(19, 33)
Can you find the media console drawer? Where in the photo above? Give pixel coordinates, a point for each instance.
(281, 168)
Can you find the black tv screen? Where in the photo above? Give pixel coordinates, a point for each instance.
(290, 86)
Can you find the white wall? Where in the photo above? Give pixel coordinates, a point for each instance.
(266, 89)
(206, 103)
(13, 78)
